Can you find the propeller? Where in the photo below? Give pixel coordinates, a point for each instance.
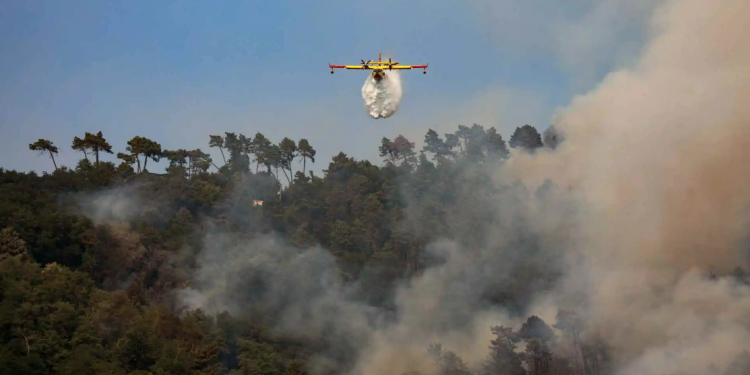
(390, 65)
(364, 63)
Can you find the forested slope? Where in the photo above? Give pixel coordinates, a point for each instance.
(112, 269)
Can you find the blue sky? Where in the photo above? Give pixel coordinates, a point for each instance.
(178, 71)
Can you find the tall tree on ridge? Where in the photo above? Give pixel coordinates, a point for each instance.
(288, 149)
(45, 146)
(218, 141)
(307, 152)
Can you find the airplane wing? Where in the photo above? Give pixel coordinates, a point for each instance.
(348, 67)
(407, 67)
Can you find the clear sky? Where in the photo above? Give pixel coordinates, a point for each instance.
(178, 71)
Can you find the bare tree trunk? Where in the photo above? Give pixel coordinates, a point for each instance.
(28, 346)
(221, 149)
(25, 340)
(53, 159)
(287, 177)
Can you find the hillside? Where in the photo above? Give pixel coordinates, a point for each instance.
(251, 264)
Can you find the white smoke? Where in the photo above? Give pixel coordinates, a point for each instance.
(655, 151)
(382, 97)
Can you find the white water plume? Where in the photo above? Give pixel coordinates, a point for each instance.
(382, 97)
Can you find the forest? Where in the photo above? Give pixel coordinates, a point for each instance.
(252, 264)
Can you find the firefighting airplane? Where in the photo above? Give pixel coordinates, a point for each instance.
(378, 68)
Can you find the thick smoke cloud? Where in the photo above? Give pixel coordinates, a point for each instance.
(382, 97)
(653, 165)
(660, 153)
(295, 292)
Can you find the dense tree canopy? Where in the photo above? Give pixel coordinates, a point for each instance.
(88, 286)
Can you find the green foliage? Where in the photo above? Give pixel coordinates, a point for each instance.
(10, 244)
(448, 362)
(257, 358)
(86, 288)
(306, 152)
(141, 148)
(527, 138)
(45, 146)
(503, 358)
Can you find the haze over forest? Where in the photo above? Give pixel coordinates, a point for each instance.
(614, 242)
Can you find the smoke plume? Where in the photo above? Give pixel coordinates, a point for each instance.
(382, 97)
(660, 152)
(115, 204)
(654, 165)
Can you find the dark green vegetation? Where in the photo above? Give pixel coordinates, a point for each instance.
(86, 290)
